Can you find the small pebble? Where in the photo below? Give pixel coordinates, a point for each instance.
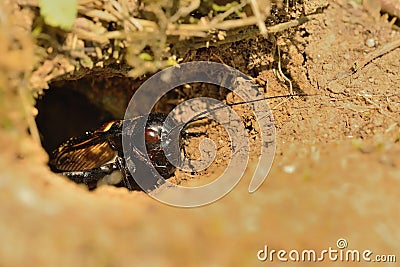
(289, 169)
(370, 42)
(346, 56)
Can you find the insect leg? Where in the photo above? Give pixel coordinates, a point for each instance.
(92, 176)
(139, 161)
(185, 134)
(121, 164)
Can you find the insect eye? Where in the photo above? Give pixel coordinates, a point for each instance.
(152, 136)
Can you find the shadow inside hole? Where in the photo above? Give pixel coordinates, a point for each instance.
(64, 113)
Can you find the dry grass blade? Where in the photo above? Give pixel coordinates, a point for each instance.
(184, 11)
(260, 18)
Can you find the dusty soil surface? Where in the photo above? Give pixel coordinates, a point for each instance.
(336, 171)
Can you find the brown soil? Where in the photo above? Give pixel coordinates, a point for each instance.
(335, 175)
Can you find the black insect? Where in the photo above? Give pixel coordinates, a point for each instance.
(98, 157)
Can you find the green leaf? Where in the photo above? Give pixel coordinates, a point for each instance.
(145, 57)
(224, 8)
(59, 13)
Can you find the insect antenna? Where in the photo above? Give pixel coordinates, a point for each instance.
(177, 132)
(179, 128)
(201, 116)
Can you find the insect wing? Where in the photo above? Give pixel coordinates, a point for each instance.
(83, 153)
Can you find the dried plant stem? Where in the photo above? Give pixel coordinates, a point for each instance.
(242, 33)
(282, 74)
(184, 11)
(375, 54)
(232, 24)
(196, 30)
(259, 17)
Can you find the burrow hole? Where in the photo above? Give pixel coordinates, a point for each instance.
(69, 108)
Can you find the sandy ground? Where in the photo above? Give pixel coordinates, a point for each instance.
(335, 175)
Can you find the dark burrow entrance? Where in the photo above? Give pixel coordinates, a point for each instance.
(71, 108)
(64, 113)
